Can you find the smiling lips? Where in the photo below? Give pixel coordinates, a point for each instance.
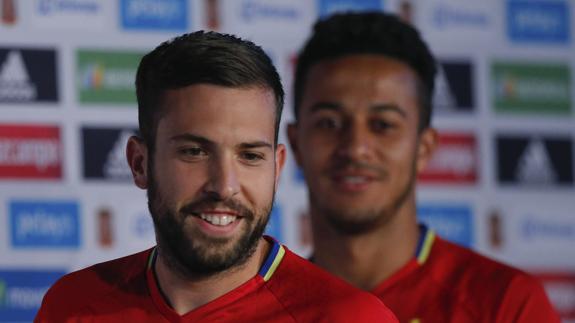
(353, 181)
(218, 217)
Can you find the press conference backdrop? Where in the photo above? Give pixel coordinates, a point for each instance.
(500, 183)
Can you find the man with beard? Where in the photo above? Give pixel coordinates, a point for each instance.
(362, 106)
(209, 110)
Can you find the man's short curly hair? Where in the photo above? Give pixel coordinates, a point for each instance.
(368, 33)
(201, 57)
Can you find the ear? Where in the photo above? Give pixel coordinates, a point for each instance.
(137, 155)
(428, 140)
(280, 159)
(292, 130)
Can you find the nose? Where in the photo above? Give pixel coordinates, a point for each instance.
(355, 142)
(223, 181)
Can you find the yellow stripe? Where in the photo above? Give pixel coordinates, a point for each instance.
(151, 258)
(275, 264)
(415, 321)
(424, 254)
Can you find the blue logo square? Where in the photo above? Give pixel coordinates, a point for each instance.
(274, 227)
(44, 224)
(329, 7)
(21, 293)
(452, 222)
(538, 22)
(169, 15)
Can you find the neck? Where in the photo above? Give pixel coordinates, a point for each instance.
(185, 294)
(367, 259)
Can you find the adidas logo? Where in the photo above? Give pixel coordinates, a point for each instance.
(534, 166)
(14, 81)
(443, 97)
(116, 166)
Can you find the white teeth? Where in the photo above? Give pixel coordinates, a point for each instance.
(354, 179)
(220, 220)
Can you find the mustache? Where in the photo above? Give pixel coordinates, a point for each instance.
(209, 203)
(347, 165)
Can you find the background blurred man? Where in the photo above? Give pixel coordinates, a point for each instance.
(362, 104)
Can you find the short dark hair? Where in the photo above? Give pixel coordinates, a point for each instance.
(201, 57)
(368, 33)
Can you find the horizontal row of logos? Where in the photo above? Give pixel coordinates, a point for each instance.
(57, 224)
(107, 77)
(523, 160)
(531, 160)
(536, 21)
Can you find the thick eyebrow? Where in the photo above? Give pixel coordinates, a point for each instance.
(319, 106)
(207, 142)
(388, 107)
(191, 137)
(325, 106)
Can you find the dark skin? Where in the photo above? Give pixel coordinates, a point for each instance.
(358, 143)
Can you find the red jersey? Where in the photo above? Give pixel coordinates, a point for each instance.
(448, 283)
(286, 289)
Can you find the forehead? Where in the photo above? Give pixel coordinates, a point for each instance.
(361, 80)
(218, 112)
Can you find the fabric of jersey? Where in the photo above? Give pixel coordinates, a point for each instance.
(286, 289)
(448, 283)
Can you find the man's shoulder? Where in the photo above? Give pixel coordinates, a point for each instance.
(300, 285)
(467, 276)
(80, 288)
(456, 262)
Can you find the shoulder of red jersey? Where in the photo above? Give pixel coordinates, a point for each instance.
(78, 289)
(470, 276)
(311, 294)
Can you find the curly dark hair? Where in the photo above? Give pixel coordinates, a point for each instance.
(368, 33)
(201, 57)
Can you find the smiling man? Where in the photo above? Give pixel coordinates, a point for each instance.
(362, 104)
(209, 110)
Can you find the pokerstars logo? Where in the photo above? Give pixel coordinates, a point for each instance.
(48, 7)
(30, 152)
(27, 75)
(454, 161)
(448, 16)
(21, 292)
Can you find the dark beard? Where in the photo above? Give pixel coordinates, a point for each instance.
(196, 255)
(358, 223)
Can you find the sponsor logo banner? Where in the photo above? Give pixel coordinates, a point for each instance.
(454, 223)
(83, 14)
(107, 76)
(44, 224)
(453, 15)
(328, 7)
(30, 152)
(274, 227)
(543, 88)
(21, 292)
(454, 161)
(561, 290)
(538, 22)
(454, 87)
(104, 153)
(534, 161)
(154, 14)
(254, 10)
(28, 75)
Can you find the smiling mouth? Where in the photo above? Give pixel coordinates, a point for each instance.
(218, 219)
